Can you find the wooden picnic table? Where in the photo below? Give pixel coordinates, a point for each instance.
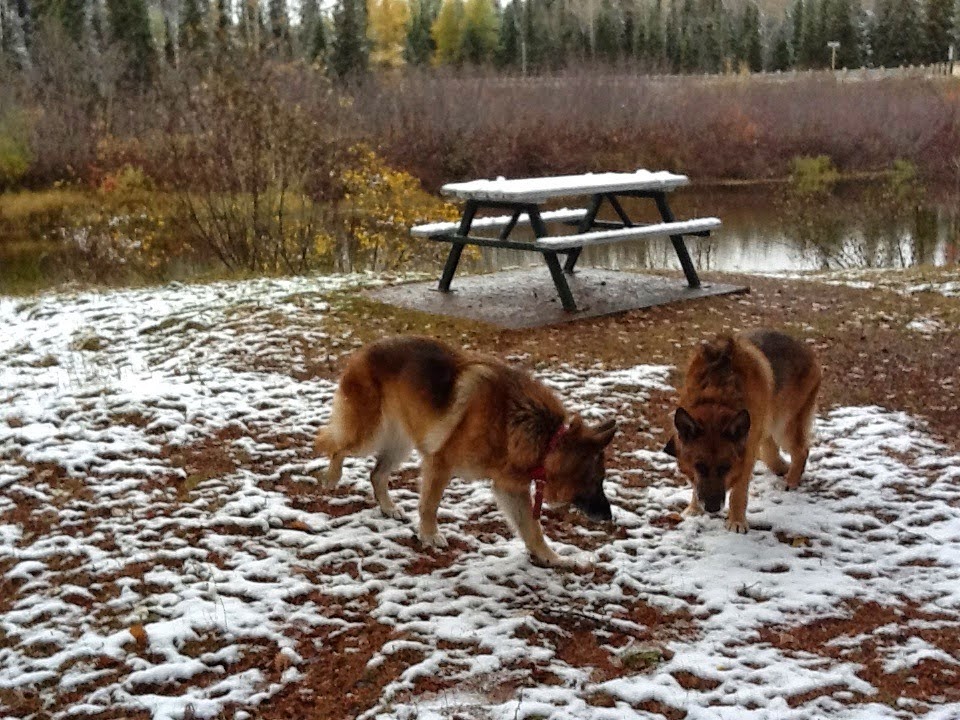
(524, 198)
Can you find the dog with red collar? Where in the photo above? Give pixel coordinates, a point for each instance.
(468, 416)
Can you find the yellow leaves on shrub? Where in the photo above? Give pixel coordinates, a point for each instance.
(380, 204)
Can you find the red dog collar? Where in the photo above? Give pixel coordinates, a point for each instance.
(539, 474)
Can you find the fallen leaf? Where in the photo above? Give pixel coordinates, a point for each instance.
(140, 636)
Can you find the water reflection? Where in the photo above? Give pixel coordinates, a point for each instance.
(863, 225)
(856, 227)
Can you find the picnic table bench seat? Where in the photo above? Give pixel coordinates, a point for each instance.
(523, 199)
(496, 222)
(699, 226)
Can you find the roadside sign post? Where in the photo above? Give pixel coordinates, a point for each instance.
(833, 45)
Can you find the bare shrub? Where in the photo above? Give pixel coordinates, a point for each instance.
(70, 91)
(443, 126)
(252, 153)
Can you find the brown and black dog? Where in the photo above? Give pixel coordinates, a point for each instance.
(469, 416)
(743, 397)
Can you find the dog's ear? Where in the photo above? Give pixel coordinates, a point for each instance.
(687, 428)
(671, 447)
(604, 432)
(718, 350)
(738, 428)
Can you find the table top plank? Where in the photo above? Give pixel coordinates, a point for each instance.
(535, 190)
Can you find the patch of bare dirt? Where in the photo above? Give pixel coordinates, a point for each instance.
(929, 681)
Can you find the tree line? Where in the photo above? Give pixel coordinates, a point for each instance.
(356, 36)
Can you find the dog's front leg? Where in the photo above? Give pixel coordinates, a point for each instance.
(737, 515)
(515, 504)
(694, 508)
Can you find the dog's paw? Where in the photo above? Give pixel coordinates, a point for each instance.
(575, 563)
(692, 511)
(737, 526)
(392, 511)
(434, 540)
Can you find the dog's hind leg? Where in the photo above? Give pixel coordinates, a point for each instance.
(326, 443)
(516, 506)
(796, 438)
(394, 450)
(770, 454)
(436, 477)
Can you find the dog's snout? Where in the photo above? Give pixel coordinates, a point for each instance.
(713, 503)
(596, 507)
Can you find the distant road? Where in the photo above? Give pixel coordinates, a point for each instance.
(939, 70)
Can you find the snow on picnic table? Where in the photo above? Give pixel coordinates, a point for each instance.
(133, 582)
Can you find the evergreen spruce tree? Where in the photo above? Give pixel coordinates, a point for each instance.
(130, 30)
(750, 43)
(956, 31)
(280, 39)
(193, 26)
(813, 46)
(655, 51)
(481, 29)
(74, 16)
(938, 26)
(349, 53)
(796, 33)
(509, 50)
(320, 46)
(898, 38)
(223, 25)
(841, 25)
(251, 31)
(309, 17)
(634, 33)
(169, 45)
(672, 38)
(609, 38)
(97, 39)
(780, 56)
(420, 46)
(70, 15)
(691, 32)
(709, 39)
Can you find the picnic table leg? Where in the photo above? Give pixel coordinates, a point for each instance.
(693, 280)
(563, 289)
(456, 249)
(556, 272)
(584, 225)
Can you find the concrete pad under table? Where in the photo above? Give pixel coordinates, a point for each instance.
(527, 298)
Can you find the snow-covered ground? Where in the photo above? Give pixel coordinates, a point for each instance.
(154, 557)
(940, 281)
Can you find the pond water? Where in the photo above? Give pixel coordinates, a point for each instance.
(856, 226)
(765, 229)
